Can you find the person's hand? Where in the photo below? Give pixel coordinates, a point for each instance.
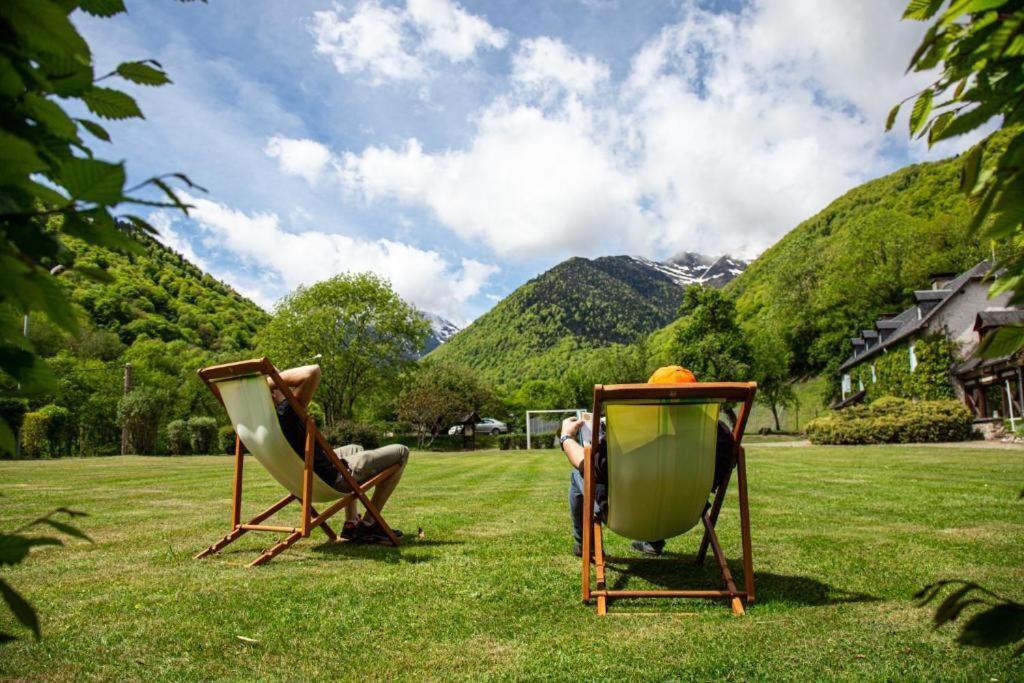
(571, 425)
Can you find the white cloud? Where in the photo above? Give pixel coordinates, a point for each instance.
(392, 44)
(541, 63)
(286, 259)
(451, 31)
(728, 131)
(302, 157)
(172, 239)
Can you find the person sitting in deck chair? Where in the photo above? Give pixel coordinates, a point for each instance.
(364, 464)
(670, 374)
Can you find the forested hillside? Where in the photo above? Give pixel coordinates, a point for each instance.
(156, 311)
(161, 295)
(862, 255)
(578, 304)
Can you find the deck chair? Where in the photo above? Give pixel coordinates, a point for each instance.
(661, 441)
(243, 390)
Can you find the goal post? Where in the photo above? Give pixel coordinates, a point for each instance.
(541, 421)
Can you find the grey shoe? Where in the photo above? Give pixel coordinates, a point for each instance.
(647, 548)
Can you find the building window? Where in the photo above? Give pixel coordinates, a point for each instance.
(846, 385)
(913, 358)
(860, 384)
(874, 377)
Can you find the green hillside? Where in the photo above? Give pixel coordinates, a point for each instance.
(862, 255)
(161, 295)
(579, 304)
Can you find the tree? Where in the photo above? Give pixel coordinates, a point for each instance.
(51, 183)
(439, 395)
(708, 340)
(978, 45)
(771, 360)
(361, 332)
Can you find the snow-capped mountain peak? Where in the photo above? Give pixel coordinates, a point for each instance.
(689, 269)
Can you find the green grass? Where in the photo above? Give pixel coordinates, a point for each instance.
(842, 539)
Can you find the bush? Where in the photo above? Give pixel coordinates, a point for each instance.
(202, 434)
(46, 433)
(344, 432)
(317, 413)
(893, 420)
(226, 439)
(508, 442)
(12, 411)
(177, 437)
(33, 435)
(138, 412)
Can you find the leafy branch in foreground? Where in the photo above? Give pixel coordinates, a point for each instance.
(979, 47)
(51, 184)
(15, 547)
(997, 621)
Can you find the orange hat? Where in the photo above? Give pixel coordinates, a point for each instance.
(671, 374)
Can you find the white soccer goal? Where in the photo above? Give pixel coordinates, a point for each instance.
(542, 421)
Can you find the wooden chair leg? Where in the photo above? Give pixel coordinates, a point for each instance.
(716, 507)
(602, 601)
(236, 532)
(723, 566)
(323, 525)
(748, 559)
(276, 549)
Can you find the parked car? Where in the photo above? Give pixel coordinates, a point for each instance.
(487, 425)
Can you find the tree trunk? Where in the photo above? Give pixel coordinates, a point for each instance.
(775, 414)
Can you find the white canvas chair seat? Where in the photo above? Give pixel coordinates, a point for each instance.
(661, 465)
(251, 409)
(243, 389)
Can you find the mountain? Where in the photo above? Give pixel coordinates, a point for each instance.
(441, 330)
(579, 304)
(862, 255)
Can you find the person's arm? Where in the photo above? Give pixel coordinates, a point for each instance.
(572, 449)
(302, 382)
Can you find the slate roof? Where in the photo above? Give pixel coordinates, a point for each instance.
(998, 318)
(908, 320)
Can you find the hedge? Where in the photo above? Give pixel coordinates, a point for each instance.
(226, 439)
(176, 432)
(202, 434)
(893, 420)
(46, 433)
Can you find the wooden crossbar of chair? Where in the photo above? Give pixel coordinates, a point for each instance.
(593, 547)
(309, 518)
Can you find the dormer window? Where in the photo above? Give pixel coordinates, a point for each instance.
(913, 357)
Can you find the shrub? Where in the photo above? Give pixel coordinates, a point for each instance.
(226, 439)
(344, 432)
(58, 430)
(893, 420)
(12, 411)
(46, 433)
(138, 412)
(508, 442)
(317, 413)
(202, 434)
(33, 435)
(177, 437)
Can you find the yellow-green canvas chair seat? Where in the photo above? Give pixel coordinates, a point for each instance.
(661, 442)
(661, 465)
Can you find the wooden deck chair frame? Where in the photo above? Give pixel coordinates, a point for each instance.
(310, 519)
(593, 547)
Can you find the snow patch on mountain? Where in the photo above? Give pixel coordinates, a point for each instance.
(688, 268)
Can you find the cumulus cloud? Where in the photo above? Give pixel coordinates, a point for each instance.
(286, 259)
(390, 44)
(542, 63)
(728, 130)
(302, 157)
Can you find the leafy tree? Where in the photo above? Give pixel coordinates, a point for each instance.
(708, 340)
(978, 46)
(51, 183)
(360, 331)
(439, 395)
(771, 361)
(139, 413)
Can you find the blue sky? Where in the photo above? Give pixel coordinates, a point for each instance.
(460, 148)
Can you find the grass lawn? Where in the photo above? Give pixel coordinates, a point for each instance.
(842, 539)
